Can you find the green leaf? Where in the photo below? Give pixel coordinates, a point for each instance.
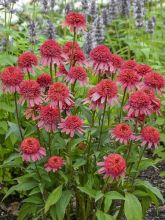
(132, 207)
(113, 195)
(34, 200)
(103, 216)
(148, 186)
(91, 192)
(26, 210)
(53, 198)
(61, 205)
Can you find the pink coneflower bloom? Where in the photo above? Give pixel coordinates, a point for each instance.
(71, 125)
(149, 136)
(76, 55)
(27, 61)
(67, 108)
(101, 59)
(106, 90)
(68, 46)
(128, 79)
(31, 112)
(11, 78)
(154, 81)
(62, 71)
(129, 64)
(139, 103)
(122, 133)
(77, 74)
(156, 105)
(117, 62)
(48, 118)
(140, 118)
(149, 92)
(44, 80)
(54, 164)
(31, 149)
(75, 21)
(30, 91)
(143, 69)
(93, 104)
(51, 53)
(113, 165)
(59, 95)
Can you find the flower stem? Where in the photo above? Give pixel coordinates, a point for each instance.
(29, 75)
(17, 116)
(49, 143)
(138, 164)
(74, 40)
(102, 122)
(122, 103)
(51, 71)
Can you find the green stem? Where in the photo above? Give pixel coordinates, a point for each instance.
(29, 75)
(102, 122)
(138, 164)
(49, 143)
(51, 71)
(122, 103)
(17, 116)
(55, 70)
(74, 40)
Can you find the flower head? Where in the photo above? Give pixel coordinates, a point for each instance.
(89, 99)
(143, 69)
(51, 53)
(71, 124)
(101, 59)
(139, 103)
(30, 91)
(129, 64)
(128, 78)
(156, 105)
(67, 48)
(75, 54)
(59, 95)
(11, 78)
(122, 133)
(31, 149)
(117, 61)
(149, 136)
(62, 71)
(44, 80)
(77, 73)
(48, 118)
(54, 164)
(26, 61)
(113, 165)
(106, 90)
(75, 21)
(154, 81)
